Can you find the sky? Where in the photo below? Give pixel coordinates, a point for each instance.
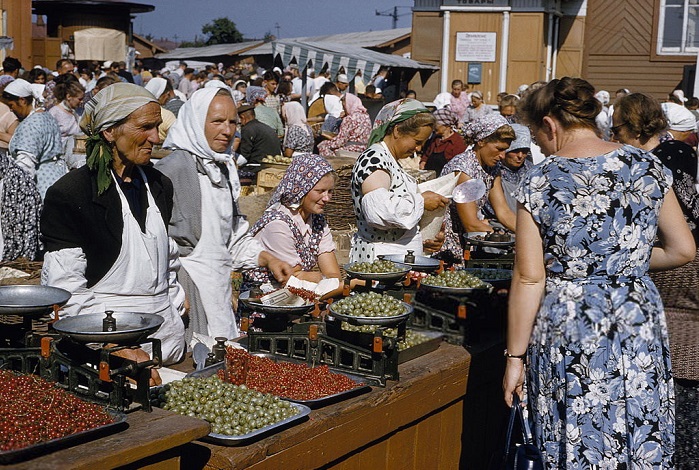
(181, 20)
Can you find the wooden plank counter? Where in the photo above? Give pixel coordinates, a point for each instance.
(415, 422)
(153, 440)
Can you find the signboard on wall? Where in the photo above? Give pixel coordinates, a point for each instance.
(475, 47)
(475, 73)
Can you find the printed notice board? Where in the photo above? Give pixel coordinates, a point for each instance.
(475, 47)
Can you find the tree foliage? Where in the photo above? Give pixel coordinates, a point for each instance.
(222, 31)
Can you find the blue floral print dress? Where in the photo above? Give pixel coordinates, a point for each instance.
(599, 379)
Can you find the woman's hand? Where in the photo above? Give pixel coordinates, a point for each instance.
(433, 200)
(139, 355)
(513, 382)
(435, 244)
(281, 270)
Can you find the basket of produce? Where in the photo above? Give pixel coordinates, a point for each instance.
(371, 308)
(459, 282)
(276, 160)
(286, 378)
(40, 417)
(379, 270)
(339, 211)
(238, 415)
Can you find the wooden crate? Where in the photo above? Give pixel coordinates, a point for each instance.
(270, 177)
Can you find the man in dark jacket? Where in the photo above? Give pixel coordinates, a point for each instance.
(257, 140)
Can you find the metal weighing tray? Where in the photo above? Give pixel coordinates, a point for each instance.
(274, 309)
(421, 349)
(499, 278)
(244, 439)
(361, 388)
(31, 299)
(41, 448)
(131, 327)
(490, 243)
(383, 321)
(395, 276)
(457, 290)
(422, 263)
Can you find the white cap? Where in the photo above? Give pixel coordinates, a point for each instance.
(342, 78)
(107, 64)
(19, 88)
(156, 86)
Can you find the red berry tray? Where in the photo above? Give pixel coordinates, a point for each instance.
(41, 448)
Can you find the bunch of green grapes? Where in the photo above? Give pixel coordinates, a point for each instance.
(380, 266)
(459, 279)
(233, 410)
(369, 304)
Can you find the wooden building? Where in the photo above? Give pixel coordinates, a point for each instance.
(65, 17)
(506, 43)
(16, 25)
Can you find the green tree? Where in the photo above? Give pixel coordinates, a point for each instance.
(222, 31)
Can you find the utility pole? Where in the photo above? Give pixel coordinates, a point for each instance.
(393, 14)
(277, 27)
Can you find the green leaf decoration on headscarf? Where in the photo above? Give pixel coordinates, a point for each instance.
(99, 157)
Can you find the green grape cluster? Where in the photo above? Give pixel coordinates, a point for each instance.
(412, 338)
(233, 410)
(491, 274)
(379, 266)
(369, 304)
(459, 279)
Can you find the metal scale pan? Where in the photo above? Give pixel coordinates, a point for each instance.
(274, 309)
(131, 328)
(31, 299)
(456, 291)
(382, 321)
(384, 278)
(422, 264)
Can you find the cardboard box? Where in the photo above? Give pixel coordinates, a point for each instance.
(270, 177)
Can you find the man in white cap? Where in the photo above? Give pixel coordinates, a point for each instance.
(342, 83)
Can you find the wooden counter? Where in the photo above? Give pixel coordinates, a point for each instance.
(415, 422)
(152, 440)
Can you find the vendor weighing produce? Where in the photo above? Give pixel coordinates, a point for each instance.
(104, 225)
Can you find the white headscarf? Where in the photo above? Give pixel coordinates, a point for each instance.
(442, 100)
(188, 134)
(679, 118)
(217, 84)
(156, 86)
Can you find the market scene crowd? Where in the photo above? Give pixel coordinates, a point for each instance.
(599, 188)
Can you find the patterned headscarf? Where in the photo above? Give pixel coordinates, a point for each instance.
(446, 117)
(353, 104)
(107, 108)
(304, 172)
(484, 126)
(393, 113)
(254, 94)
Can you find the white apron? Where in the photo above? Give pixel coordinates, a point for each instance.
(210, 264)
(138, 281)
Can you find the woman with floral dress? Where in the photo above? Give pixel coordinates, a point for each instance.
(582, 308)
(354, 129)
(298, 135)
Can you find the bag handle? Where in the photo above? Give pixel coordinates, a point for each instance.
(516, 410)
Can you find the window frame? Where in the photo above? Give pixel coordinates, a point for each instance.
(682, 50)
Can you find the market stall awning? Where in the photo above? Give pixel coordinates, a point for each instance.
(209, 51)
(318, 55)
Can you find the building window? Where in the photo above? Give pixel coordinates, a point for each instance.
(678, 32)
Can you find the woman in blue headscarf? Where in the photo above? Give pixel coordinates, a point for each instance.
(386, 200)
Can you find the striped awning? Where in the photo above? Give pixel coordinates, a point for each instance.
(352, 58)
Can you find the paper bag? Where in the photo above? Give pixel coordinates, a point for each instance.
(431, 221)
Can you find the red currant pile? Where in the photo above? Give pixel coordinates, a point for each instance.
(284, 379)
(33, 410)
(305, 294)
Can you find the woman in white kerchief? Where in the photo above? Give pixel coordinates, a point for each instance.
(210, 232)
(104, 225)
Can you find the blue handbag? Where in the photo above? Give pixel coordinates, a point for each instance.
(524, 456)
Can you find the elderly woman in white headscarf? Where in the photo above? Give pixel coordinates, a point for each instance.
(206, 224)
(104, 225)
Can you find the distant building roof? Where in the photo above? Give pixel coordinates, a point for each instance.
(40, 5)
(210, 51)
(377, 39)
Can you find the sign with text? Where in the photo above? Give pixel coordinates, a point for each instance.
(476, 3)
(475, 47)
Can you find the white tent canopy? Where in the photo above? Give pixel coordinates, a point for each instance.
(100, 44)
